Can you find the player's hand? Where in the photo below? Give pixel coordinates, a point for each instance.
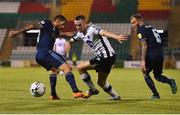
(13, 33)
(68, 48)
(122, 37)
(143, 66)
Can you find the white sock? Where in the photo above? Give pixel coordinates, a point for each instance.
(108, 89)
(61, 73)
(87, 79)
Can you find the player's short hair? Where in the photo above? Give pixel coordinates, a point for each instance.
(80, 17)
(136, 16)
(60, 17)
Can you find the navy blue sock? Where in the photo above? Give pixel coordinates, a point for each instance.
(71, 80)
(163, 79)
(53, 84)
(151, 85)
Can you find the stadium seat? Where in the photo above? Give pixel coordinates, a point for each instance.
(120, 14)
(9, 7)
(154, 9)
(72, 8)
(23, 53)
(159, 24)
(2, 37)
(118, 28)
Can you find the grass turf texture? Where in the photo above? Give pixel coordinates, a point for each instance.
(129, 83)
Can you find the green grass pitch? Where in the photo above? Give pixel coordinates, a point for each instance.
(129, 83)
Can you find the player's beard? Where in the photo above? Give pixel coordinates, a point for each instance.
(138, 25)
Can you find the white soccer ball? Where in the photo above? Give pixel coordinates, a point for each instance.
(37, 89)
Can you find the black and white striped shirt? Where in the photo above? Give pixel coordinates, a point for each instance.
(99, 44)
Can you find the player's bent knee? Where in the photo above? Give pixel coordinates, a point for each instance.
(157, 77)
(101, 83)
(66, 68)
(80, 69)
(54, 71)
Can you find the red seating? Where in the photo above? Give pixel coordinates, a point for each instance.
(69, 27)
(103, 6)
(29, 7)
(155, 14)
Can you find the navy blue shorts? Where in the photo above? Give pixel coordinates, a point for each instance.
(154, 61)
(103, 64)
(49, 59)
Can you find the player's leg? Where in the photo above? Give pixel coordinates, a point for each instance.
(45, 60)
(103, 72)
(151, 86)
(149, 81)
(82, 69)
(102, 77)
(69, 76)
(61, 72)
(162, 78)
(57, 63)
(53, 81)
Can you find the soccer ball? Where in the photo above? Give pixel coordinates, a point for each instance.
(37, 89)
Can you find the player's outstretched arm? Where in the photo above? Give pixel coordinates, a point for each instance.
(13, 33)
(118, 37)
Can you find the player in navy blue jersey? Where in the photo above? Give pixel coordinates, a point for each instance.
(46, 57)
(152, 55)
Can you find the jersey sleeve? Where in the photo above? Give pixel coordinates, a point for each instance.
(76, 37)
(141, 34)
(45, 23)
(96, 29)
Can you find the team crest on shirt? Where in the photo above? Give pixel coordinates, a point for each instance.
(139, 36)
(42, 22)
(88, 37)
(90, 43)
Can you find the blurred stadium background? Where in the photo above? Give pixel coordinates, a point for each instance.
(112, 15)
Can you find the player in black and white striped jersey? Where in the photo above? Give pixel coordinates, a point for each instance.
(99, 44)
(96, 38)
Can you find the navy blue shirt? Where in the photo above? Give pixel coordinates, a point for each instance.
(47, 36)
(151, 36)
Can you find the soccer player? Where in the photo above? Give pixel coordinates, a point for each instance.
(152, 55)
(62, 47)
(96, 38)
(46, 57)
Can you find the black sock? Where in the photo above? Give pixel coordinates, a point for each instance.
(151, 85)
(53, 84)
(70, 79)
(163, 79)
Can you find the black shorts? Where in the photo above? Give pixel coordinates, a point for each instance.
(154, 61)
(102, 64)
